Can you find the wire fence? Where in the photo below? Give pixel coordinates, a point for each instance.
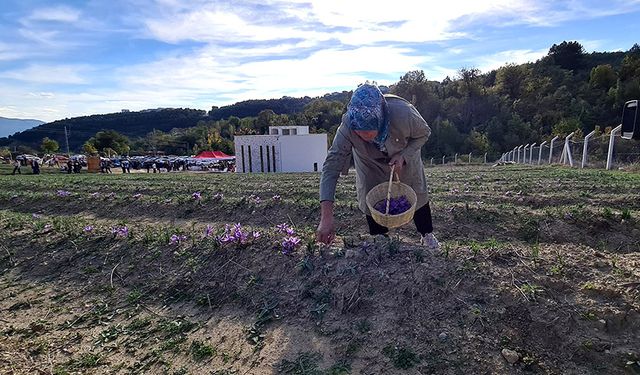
(594, 151)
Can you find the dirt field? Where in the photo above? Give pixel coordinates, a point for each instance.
(117, 274)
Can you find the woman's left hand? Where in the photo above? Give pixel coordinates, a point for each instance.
(398, 161)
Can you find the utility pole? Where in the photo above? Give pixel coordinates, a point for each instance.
(66, 138)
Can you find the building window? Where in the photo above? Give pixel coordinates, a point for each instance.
(273, 156)
(274, 131)
(285, 131)
(250, 161)
(242, 151)
(294, 131)
(261, 160)
(268, 161)
(315, 167)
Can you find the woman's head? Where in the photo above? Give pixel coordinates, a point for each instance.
(367, 114)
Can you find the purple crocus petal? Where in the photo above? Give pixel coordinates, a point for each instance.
(256, 235)
(290, 231)
(208, 231)
(88, 229)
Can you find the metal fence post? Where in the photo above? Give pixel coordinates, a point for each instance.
(524, 155)
(540, 152)
(519, 148)
(551, 147)
(585, 147)
(612, 138)
(443, 159)
(431, 161)
(455, 159)
(485, 157)
(470, 158)
(566, 151)
(531, 153)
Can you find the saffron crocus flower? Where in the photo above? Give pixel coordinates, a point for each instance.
(176, 239)
(256, 235)
(136, 196)
(276, 198)
(196, 196)
(218, 196)
(95, 195)
(36, 216)
(88, 229)
(120, 232)
(63, 193)
(208, 231)
(255, 199)
(289, 244)
(283, 228)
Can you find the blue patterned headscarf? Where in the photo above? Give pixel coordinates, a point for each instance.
(367, 110)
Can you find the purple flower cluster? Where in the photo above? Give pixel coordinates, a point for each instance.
(136, 196)
(397, 205)
(63, 193)
(255, 199)
(237, 235)
(289, 244)
(88, 229)
(276, 198)
(176, 239)
(218, 196)
(196, 196)
(290, 241)
(120, 232)
(286, 229)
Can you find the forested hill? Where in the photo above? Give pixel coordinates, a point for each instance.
(131, 124)
(566, 90)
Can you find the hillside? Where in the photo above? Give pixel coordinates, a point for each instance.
(9, 126)
(131, 124)
(568, 90)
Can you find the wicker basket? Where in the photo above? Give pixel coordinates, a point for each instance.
(391, 189)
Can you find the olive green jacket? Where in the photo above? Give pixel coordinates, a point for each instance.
(408, 132)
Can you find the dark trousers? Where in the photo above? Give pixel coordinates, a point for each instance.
(421, 218)
(16, 169)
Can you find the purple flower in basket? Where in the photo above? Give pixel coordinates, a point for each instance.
(397, 205)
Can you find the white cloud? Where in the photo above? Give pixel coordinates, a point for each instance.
(520, 56)
(50, 74)
(64, 14)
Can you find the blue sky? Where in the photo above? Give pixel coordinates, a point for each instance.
(69, 58)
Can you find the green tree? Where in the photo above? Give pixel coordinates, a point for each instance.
(89, 148)
(603, 76)
(110, 139)
(568, 55)
(510, 80)
(49, 146)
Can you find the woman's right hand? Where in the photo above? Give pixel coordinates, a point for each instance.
(326, 231)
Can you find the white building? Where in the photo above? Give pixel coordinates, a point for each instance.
(285, 149)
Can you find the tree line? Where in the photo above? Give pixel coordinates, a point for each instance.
(567, 90)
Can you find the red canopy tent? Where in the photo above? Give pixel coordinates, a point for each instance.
(214, 155)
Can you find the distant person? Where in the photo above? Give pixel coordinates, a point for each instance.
(69, 166)
(379, 131)
(35, 166)
(107, 166)
(16, 167)
(77, 167)
(154, 166)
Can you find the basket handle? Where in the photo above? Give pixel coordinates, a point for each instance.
(393, 167)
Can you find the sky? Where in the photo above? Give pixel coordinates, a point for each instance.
(70, 58)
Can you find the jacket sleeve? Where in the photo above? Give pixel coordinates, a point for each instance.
(339, 154)
(419, 132)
